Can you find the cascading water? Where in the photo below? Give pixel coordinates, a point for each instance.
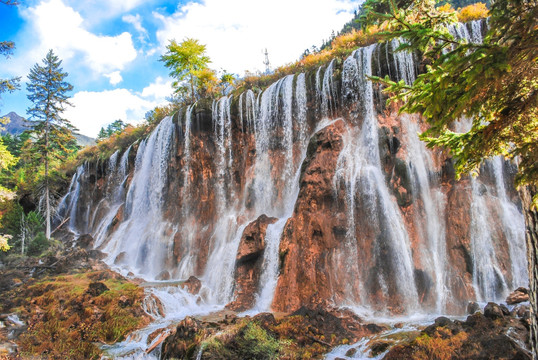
(359, 171)
(131, 245)
(431, 220)
(152, 229)
(488, 279)
(513, 227)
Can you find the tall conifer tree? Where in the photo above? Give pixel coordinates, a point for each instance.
(47, 89)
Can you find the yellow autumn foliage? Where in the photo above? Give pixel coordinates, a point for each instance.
(473, 12)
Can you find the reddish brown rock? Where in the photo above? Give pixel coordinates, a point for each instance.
(314, 230)
(192, 285)
(518, 296)
(249, 260)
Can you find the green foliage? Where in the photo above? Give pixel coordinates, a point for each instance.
(8, 85)
(114, 128)
(184, 61)
(494, 83)
(256, 343)
(47, 90)
(14, 143)
(38, 244)
(227, 78)
(7, 160)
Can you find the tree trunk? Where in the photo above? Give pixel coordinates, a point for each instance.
(47, 197)
(531, 235)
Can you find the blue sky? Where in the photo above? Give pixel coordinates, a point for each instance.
(111, 48)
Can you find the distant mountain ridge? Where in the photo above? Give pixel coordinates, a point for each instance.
(17, 124)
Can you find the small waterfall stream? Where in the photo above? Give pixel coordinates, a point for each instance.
(359, 170)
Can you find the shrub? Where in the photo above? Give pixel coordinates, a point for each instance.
(256, 343)
(441, 346)
(38, 244)
(473, 12)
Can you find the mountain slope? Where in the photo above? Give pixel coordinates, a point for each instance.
(17, 124)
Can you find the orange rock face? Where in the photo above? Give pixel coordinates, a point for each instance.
(314, 230)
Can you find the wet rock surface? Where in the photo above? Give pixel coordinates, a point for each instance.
(192, 285)
(315, 229)
(519, 295)
(248, 263)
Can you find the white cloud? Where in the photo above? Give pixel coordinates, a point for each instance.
(136, 21)
(92, 110)
(236, 31)
(97, 11)
(159, 90)
(60, 27)
(114, 77)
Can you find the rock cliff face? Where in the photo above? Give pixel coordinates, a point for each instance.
(313, 192)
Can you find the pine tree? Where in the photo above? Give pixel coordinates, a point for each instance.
(48, 90)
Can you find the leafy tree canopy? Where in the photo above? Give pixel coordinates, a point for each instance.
(494, 83)
(186, 60)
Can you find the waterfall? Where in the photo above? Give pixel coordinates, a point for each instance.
(461, 31)
(131, 245)
(223, 139)
(328, 92)
(488, 280)
(359, 170)
(513, 227)
(404, 62)
(301, 101)
(430, 220)
(182, 207)
(269, 276)
(187, 155)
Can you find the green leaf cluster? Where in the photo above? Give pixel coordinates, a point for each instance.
(185, 60)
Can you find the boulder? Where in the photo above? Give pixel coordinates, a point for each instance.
(192, 285)
(85, 241)
(518, 296)
(96, 288)
(163, 275)
(472, 307)
(493, 311)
